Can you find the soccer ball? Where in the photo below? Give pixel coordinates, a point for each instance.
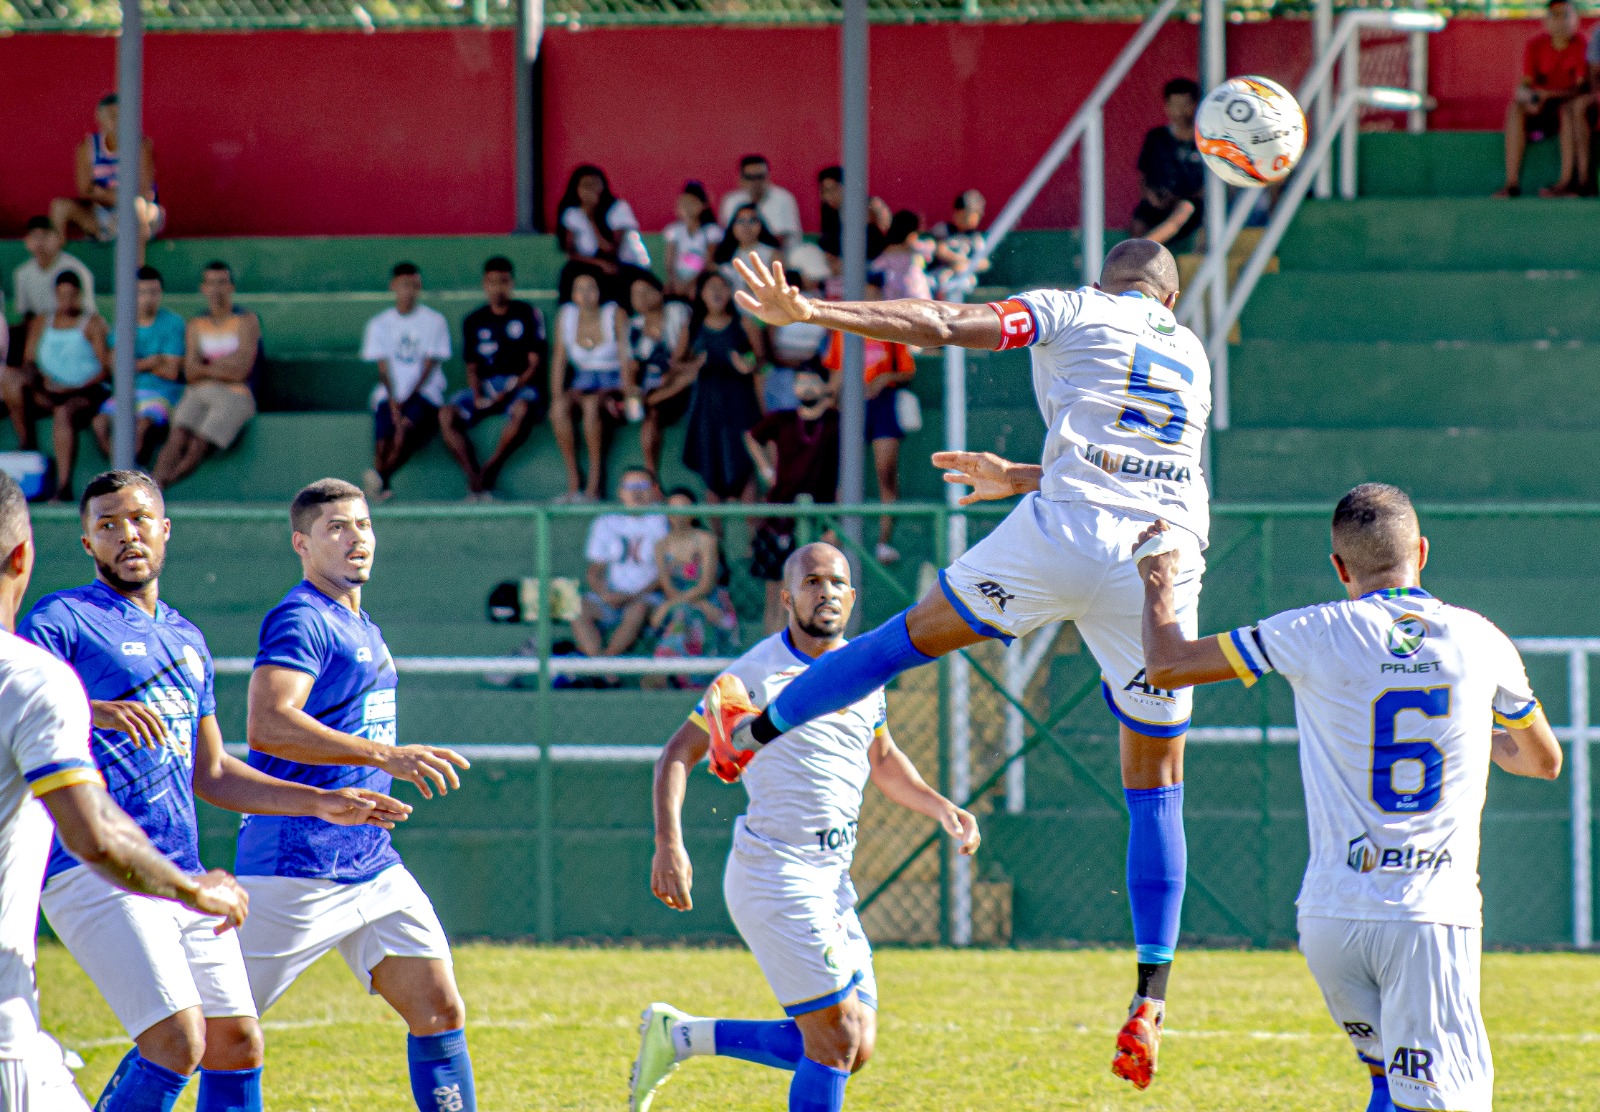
(1250, 131)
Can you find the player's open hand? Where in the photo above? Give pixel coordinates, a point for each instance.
(1155, 554)
(147, 728)
(219, 894)
(360, 807)
(963, 827)
(672, 876)
(428, 768)
(987, 474)
(770, 298)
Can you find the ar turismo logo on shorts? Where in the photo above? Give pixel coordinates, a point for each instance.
(1406, 635)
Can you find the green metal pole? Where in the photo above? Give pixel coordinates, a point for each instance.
(543, 726)
(1264, 702)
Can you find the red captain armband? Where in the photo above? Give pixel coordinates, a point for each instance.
(1017, 326)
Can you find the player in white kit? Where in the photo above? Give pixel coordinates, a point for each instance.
(1125, 392)
(44, 754)
(1397, 696)
(787, 881)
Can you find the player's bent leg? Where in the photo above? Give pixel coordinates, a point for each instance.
(154, 1073)
(1337, 953)
(230, 1070)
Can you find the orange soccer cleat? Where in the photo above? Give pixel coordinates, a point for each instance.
(1137, 1045)
(727, 706)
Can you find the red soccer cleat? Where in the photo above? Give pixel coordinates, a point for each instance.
(727, 705)
(1137, 1045)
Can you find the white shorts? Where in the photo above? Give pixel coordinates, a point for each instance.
(1072, 561)
(39, 1082)
(149, 958)
(1407, 995)
(795, 909)
(294, 921)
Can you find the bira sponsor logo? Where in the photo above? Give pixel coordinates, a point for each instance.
(1126, 465)
(1363, 856)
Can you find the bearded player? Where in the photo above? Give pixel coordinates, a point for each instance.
(787, 882)
(1397, 696)
(1125, 392)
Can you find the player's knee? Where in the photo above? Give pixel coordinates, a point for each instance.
(234, 1043)
(867, 1043)
(446, 1011)
(177, 1042)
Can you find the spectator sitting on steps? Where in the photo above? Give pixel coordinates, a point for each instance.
(158, 366)
(66, 361)
(33, 284)
(623, 575)
(1172, 178)
(94, 210)
(409, 342)
(777, 206)
(1551, 101)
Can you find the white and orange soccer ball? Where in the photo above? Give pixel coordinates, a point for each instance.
(1250, 131)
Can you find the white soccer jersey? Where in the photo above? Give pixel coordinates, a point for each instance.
(1396, 695)
(805, 788)
(44, 736)
(1125, 392)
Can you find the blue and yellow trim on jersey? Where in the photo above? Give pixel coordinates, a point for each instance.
(1397, 592)
(1519, 719)
(62, 774)
(1243, 649)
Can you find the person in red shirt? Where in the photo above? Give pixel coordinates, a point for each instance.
(887, 367)
(1551, 100)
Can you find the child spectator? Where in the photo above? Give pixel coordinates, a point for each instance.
(691, 239)
(959, 248)
(900, 264)
(600, 235)
(658, 340)
(796, 453)
(725, 349)
(776, 204)
(1550, 101)
(503, 345)
(1172, 178)
(589, 337)
(67, 358)
(623, 576)
(695, 616)
(33, 284)
(747, 234)
(94, 211)
(222, 349)
(887, 367)
(158, 355)
(409, 343)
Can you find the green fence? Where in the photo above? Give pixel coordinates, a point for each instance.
(550, 834)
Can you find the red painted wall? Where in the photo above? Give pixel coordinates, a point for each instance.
(278, 133)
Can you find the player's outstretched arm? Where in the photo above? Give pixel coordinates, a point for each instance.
(1528, 749)
(1171, 660)
(913, 321)
(898, 779)
(97, 832)
(278, 725)
(989, 476)
(227, 782)
(671, 874)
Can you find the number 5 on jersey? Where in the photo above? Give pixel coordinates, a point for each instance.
(1158, 412)
(1407, 774)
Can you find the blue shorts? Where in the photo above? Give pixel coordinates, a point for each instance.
(502, 392)
(596, 382)
(423, 415)
(148, 405)
(882, 421)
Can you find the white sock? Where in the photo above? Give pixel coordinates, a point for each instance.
(694, 1037)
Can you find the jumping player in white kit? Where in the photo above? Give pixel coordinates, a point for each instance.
(1125, 392)
(1397, 696)
(787, 881)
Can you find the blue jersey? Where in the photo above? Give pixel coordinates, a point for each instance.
(123, 654)
(352, 691)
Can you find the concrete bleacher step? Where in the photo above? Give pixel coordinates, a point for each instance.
(1450, 164)
(1428, 234)
(1283, 383)
(1479, 306)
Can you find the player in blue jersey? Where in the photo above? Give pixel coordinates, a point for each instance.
(178, 986)
(322, 711)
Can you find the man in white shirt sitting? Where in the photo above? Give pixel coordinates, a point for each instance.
(623, 577)
(775, 203)
(409, 343)
(33, 284)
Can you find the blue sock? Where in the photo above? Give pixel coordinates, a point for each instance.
(229, 1091)
(441, 1072)
(1158, 858)
(139, 1085)
(817, 1088)
(1380, 1101)
(846, 675)
(766, 1042)
(115, 1079)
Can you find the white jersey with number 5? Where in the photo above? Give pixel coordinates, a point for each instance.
(1396, 695)
(1125, 392)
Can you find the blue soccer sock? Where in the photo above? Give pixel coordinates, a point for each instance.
(441, 1072)
(229, 1091)
(817, 1088)
(1158, 858)
(139, 1085)
(766, 1042)
(841, 677)
(1380, 1101)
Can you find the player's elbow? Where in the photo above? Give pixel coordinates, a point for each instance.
(1165, 674)
(1547, 762)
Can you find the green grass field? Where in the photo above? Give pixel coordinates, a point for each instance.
(993, 1030)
